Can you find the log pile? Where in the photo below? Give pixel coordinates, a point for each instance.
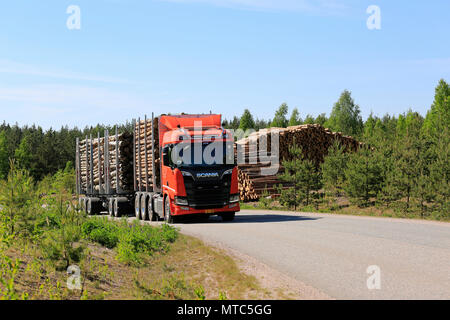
(144, 156)
(314, 140)
(120, 171)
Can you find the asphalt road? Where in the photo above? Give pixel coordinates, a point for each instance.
(332, 253)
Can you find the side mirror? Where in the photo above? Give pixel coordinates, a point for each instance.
(166, 159)
(165, 156)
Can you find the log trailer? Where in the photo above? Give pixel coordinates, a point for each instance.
(182, 165)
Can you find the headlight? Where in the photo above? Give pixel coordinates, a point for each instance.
(229, 171)
(186, 174)
(181, 201)
(234, 198)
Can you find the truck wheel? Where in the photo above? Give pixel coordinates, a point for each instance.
(85, 204)
(168, 218)
(81, 203)
(93, 206)
(117, 209)
(111, 208)
(153, 216)
(227, 217)
(90, 207)
(144, 209)
(137, 206)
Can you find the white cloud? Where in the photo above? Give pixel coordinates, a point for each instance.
(69, 97)
(53, 105)
(310, 6)
(13, 67)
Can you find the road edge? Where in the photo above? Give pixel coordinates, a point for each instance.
(268, 277)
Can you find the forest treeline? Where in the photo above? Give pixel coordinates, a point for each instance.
(43, 152)
(403, 165)
(407, 145)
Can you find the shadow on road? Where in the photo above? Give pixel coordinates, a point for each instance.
(252, 218)
(240, 218)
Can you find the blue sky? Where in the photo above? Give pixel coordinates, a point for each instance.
(132, 58)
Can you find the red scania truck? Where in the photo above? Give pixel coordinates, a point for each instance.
(182, 165)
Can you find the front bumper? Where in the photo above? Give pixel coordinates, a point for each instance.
(185, 210)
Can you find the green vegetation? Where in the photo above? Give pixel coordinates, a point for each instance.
(46, 242)
(43, 232)
(401, 170)
(132, 241)
(333, 170)
(345, 116)
(41, 152)
(305, 177)
(246, 121)
(280, 120)
(295, 119)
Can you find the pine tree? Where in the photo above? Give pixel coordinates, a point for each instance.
(321, 119)
(247, 121)
(23, 154)
(295, 118)
(261, 124)
(369, 126)
(345, 116)
(333, 170)
(234, 124)
(401, 126)
(440, 174)
(309, 119)
(405, 171)
(363, 176)
(304, 176)
(4, 157)
(16, 195)
(280, 120)
(438, 118)
(409, 163)
(423, 190)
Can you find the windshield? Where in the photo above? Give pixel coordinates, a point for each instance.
(200, 154)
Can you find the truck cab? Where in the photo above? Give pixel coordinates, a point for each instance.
(198, 170)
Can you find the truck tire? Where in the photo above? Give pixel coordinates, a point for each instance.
(144, 209)
(81, 204)
(85, 204)
(93, 206)
(137, 206)
(153, 216)
(228, 217)
(111, 208)
(117, 208)
(89, 206)
(168, 218)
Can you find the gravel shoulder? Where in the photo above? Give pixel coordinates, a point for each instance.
(278, 284)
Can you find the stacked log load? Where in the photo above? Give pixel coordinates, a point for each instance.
(144, 155)
(124, 170)
(314, 140)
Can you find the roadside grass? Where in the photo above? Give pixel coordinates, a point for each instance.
(48, 245)
(115, 259)
(132, 241)
(217, 273)
(189, 270)
(50, 250)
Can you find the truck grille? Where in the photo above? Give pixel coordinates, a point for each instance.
(208, 194)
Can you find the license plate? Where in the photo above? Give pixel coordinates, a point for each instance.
(209, 211)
